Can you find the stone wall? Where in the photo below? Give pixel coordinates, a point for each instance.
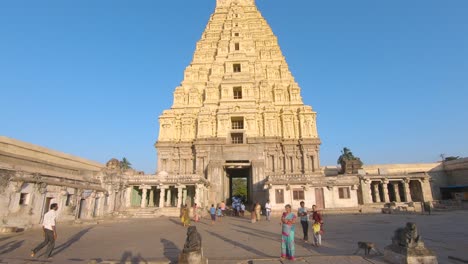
(34, 177)
(457, 172)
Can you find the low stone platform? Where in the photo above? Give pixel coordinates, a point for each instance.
(235, 240)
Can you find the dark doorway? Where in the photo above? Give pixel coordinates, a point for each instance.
(47, 204)
(239, 184)
(319, 198)
(82, 209)
(96, 207)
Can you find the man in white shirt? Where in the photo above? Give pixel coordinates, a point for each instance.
(50, 233)
(268, 210)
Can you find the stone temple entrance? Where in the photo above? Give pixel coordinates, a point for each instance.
(240, 182)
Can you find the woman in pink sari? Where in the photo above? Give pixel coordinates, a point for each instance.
(196, 217)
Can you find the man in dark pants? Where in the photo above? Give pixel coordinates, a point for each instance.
(50, 233)
(302, 214)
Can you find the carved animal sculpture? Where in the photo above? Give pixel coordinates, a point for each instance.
(407, 237)
(193, 241)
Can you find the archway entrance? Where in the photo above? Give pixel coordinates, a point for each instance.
(239, 183)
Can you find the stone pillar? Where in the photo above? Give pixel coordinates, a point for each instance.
(386, 198)
(366, 191)
(376, 192)
(271, 195)
(426, 190)
(258, 174)
(198, 194)
(63, 199)
(168, 197)
(180, 190)
(151, 198)
(184, 196)
(407, 190)
(144, 202)
(128, 197)
(162, 196)
(397, 191)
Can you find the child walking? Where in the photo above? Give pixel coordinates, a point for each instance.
(213, 214)
(317, 220)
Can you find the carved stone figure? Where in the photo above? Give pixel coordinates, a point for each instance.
(113, 164)
(193, 240)
(408, 248)
(192, 252)
(5, 177)
(407, 237)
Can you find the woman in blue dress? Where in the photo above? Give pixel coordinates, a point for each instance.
(288, 224)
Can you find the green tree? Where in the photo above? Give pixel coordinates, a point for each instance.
(125, 164)
(239, 187)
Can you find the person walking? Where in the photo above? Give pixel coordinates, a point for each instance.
(222, 205)
(242, 209)
(302, 213)
(196, 217)
(288, 227)
(268, 210)
(219, 214)
(253, 218)
(316, 217)
(50, 232)
(258, 209)
(213, 214)
(185, 218)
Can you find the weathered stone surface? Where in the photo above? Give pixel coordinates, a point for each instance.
(410, 257)
(407, 247)
(192, 252)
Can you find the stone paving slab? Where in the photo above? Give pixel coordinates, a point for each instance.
(235, 240)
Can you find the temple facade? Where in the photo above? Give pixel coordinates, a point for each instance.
(237, 114)
(238, 111)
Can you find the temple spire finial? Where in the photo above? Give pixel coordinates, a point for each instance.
(222, 3)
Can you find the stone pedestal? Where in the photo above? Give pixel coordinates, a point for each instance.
(192, 258)
(400, 255)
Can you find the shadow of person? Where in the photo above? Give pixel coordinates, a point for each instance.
(10, 246)
(171, 251)
(237, 244)
(75, 238)
(175, 221)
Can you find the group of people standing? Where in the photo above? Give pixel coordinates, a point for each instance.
(217, 212)
(288, 221)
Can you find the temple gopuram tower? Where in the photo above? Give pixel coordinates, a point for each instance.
(238, 112)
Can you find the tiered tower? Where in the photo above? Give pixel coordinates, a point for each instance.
(238, 112)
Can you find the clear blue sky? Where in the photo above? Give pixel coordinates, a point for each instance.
(389, 79)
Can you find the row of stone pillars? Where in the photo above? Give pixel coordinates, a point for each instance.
(396, 191)
(371, 191)
(165, 195)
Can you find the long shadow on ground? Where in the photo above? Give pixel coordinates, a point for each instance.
(75, 238)
(171, 251)
(237, 244)
(10, 246)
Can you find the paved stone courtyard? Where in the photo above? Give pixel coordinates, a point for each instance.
(236, 240)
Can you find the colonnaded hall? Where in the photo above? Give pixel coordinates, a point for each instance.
(237, 114)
